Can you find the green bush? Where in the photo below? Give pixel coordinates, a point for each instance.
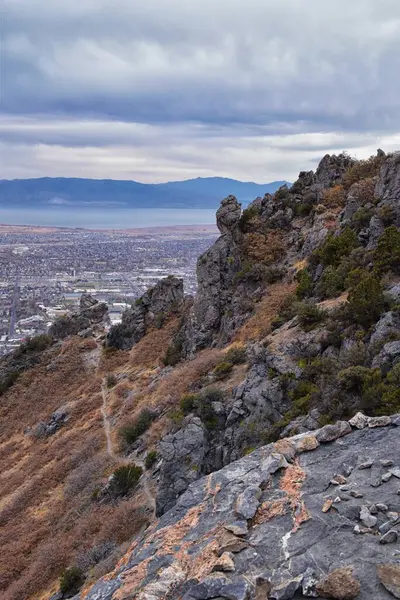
(132, 431)
(151, 459)
(124, 479)
(204, 407)
(159, 320)
(305, 284)
(310, 315)
(335, 248)
(245, 220)
(387, 214)
(71, 580)
(236, 355)
(366, 301)
(173, 353)
(361, 218)
(287, 311)
(331, 283)
(222, 370)
(188, 403)
(387, 253)
(358, 378)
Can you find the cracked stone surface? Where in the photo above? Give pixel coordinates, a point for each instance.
(291, 543)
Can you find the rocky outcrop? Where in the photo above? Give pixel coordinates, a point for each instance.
(182, 456)
(152, 309)
(217, 309)
(286, 519)
(91, 314)
(331, 169)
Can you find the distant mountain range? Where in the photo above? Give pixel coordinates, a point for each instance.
(63, 191)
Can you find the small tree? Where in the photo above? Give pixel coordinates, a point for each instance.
(366, 301)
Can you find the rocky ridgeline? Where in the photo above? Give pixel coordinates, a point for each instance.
(317, 514)
(152, 309)
(91, 317)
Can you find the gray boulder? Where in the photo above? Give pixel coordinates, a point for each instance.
(182, 456)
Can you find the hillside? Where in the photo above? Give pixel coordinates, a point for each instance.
(60, 191)
(239, 445)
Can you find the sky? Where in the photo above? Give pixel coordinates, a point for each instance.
(162, 90)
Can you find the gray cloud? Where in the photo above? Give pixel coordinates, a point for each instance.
(175, 84)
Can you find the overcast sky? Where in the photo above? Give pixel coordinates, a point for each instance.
(159, 90)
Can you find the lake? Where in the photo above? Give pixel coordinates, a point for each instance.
(107, 218)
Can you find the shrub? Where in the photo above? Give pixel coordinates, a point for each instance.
(310, 315)
(287, 311)
(188, 403)
(37, 343)
(334, 197)
(245, 220)
(132, 431)
(363, 169)
(222, 370)
(124, 479)
(204, 407)
(88, 559)
(387, 253)
(173, 353)
(364, 191)
(111, 380)
(273, 274)
(356, 379)
(331, 283)
(361, 218)
(151, 459)
(305, 284)
(366, 301)
(159, 320)
(335, 248)
(71, 580)
(236, 355)
(387, 214)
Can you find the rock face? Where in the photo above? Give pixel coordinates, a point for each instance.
(92, 313)
(291, 543)
(216, 309)
(182, 455)
(151, 309)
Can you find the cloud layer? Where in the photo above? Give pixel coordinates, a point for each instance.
(168, 90)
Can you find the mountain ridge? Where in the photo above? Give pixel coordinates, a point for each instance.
(202, 192)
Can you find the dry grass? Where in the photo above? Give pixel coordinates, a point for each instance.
(154, 345)
(45, 485)
(259, 324)
(264, 247)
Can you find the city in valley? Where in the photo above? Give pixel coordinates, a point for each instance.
(44, 271)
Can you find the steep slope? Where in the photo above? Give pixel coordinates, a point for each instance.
(295, 329)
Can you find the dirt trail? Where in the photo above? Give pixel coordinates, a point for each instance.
(145, 484)
(106, 423)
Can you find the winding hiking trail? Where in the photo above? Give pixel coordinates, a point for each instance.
(106, 423)
(110, 451)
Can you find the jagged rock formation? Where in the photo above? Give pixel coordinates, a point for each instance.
(92, 313)
(215, 305)
(280, 519)
(151, 309)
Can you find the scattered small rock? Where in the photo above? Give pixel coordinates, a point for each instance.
(373, 509)
(382, 507)
(248, 502)
(385, 478)
(237, 528)
(356, 494)
(395, 471)
(386, 463)
(306, 444)
(366, 518)
(286, 589)
(327, 505)
(231, 543)
(360, 421)
(379, 421)
(385, 527)
(329, 433)
(224, 563)
(338, 480)
(309, 584)
(389, 538)
(365, 465)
